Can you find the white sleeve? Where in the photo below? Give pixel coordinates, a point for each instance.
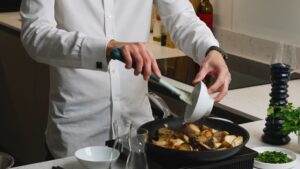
(189, 33)
(47, 44)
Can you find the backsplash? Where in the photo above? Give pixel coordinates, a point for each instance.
(250, 47)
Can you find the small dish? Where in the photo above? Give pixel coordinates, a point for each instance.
(202, 104)
(97, 157)
(262, 165)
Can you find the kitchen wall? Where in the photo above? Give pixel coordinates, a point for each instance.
(253, 28)
(269, 19)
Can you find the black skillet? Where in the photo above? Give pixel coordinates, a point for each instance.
(165, 155)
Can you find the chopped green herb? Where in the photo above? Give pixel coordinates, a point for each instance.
(273, 157)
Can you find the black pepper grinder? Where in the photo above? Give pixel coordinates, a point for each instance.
(280, 74)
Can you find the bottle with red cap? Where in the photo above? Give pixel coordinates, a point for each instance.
(205, 13)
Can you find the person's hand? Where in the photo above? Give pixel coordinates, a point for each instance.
(138, 53)
(215, 65)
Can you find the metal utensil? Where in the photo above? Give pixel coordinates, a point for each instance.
(161, 104)
(185, 97)
(199, 103)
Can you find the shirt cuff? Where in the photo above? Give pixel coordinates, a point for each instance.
(93, 53)
(201, 51)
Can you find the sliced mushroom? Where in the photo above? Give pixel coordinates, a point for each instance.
(165, 131)
(219, 135)
(184, 147)
(225, 145)
(160, 143)
(217, 145)
(191, 137)
(201, 139)
(176, 142)
(229, 138)
(186, 138)
(207, 133)
(190, 129)
(183, 136)
(204, 127)
(237, 141)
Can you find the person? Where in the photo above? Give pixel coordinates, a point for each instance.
(88, 90)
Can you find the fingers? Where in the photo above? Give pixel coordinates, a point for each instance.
(138, 56)
(217, 84)
(223, 92)
(204, 70)
(147, 64)
(221, 85)
(137, 59)
(154, 65)
(127, 56)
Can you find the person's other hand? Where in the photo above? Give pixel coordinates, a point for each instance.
(214, 65)
(138, 53)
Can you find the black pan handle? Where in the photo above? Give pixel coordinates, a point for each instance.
(116, 54)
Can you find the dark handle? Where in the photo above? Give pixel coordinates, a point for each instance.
(116, 54)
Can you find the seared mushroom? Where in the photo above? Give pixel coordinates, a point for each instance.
(207, 133)
(184, 147)
(176, 142)
(229, 138)
(165, 131)
(190, 137)
(219, 135)
(237, 141)
(190, 129)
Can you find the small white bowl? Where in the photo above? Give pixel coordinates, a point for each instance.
(262, 165)
(98, 157)
(202, 104)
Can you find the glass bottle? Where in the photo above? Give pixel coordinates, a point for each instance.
(195, 4)
(205, 13)
(118, 145)
(170, 42)
(163, 36)
(157, 30)
(137, 157)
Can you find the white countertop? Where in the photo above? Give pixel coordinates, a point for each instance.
(11, 20)
(255, 100)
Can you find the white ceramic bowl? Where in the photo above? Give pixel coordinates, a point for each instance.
(98, 157)
(202, 104)
(263, 165)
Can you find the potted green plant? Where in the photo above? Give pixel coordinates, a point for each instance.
(290, 115)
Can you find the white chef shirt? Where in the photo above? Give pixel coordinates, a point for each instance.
(87, 93)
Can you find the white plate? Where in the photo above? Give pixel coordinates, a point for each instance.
(263, 165)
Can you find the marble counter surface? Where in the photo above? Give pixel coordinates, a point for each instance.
(255, 100)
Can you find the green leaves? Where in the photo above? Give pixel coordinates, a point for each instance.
(274, 157)
(289, 114)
